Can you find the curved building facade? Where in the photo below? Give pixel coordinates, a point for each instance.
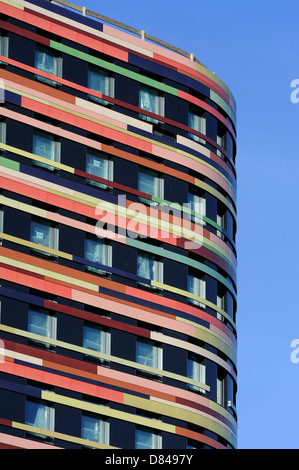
(118, 224)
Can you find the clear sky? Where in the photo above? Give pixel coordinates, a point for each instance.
(253, 47)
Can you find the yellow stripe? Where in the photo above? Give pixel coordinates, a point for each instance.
(32, 156)
(151, 222)
(12, 4)
(58, 435)
(105, 411)
(185, 293)
(118, 129)
(35, 246)
(162, 408)
(105, 357)
(139, 403)
(47, 273)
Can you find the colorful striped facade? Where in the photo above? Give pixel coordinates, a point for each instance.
(118, 223)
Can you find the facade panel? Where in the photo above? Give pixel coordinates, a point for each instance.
(118, 225)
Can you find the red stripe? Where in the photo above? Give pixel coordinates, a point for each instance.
(23, 32)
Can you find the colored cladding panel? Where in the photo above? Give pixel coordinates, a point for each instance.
(124, 340)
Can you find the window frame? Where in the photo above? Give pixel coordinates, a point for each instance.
(4, 46)
(157, 266)
(105, 341)
(157, 351)
(53, 235)
(199, 283)
(200, 126)
(199, 375)
(104, 423)
(110, 85)
(198, 204)
(57, 64)
(48, 409)
(105, 158)
(157, 180)
(107, 255)
(55, 149)
(159, 105)
(155, 435)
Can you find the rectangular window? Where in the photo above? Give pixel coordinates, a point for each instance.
(99, 164)
(197, 121)
(39, 414)
(3, 132)
(225, 140)
(149, 267)
(97, 251)
(225, 301)
(43, 233)
(197, 203)
(151, 100)
(96, 338)
(41, 323)
(94, 428)
(148, 353)
(221, 388)
(197, 371)
(3, 46)
(146, 438)
(197, 286)
(47, 61)
(46, 145)
(150, 182)
(101, 81)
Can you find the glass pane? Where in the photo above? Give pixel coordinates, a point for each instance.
(39, 323)
(197, 203)
(96, 251)
(44, 145)
(98, 80)
(147, 354)
(97, 165)
(148, 182)
(93, 339)
(92, 429)
(144, 439)
(149, 100)
(45, 61)
(40, 233)
(148, 267)
(37, 414)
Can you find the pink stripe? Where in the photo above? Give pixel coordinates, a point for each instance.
(78, 109)
(61, 381)
(133, 312)
(24, 443)
(158, 387)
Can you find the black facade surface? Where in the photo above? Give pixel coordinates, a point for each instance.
(188, 325)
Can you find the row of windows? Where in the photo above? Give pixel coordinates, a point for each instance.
(41, 414)
(150, 182)
(148, 353)
(150, 99)
(98, 251)
(95, 428)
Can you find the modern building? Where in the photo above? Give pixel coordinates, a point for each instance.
(118, 223)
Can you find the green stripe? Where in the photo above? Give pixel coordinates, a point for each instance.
(133, 75)
(180, 259)
(9, 164)
(113, 68)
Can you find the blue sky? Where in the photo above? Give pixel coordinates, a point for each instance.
(253, 47)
